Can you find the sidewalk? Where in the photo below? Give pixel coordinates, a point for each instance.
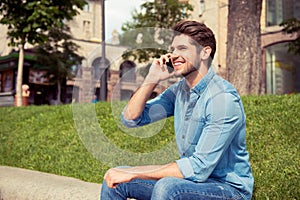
(23, 184)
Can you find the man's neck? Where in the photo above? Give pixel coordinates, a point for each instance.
(193, 78)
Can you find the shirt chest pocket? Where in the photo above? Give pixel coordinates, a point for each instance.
(194, 130)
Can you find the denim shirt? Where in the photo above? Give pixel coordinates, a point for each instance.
(210, 129)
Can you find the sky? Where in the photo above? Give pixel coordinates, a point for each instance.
(117, 12)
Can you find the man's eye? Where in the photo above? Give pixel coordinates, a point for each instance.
(171, 50)
(179, 48)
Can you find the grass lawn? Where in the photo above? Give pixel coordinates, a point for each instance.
(50, 139)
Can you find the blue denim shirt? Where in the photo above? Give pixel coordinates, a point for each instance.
(210, 128)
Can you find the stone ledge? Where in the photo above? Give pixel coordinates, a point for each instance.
(23, 184)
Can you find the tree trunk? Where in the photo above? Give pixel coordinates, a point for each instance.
(244, 53)
(58, 100)
(20, 77)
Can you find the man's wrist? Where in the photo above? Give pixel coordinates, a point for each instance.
(151, 79)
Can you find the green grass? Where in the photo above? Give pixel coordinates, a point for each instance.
(273, 128)
(46, 138)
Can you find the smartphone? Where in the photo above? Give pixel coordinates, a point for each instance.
(170, 66)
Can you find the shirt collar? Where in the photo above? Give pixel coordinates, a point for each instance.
(202, 84)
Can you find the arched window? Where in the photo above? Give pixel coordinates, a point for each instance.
(126, 94)
(96, 70)
(127, 71)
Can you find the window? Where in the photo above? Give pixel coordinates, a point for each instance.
(6, 81)
(282, 71)
(96, 68)
(0, 82)
(126, 94)
(278, 11)
(87, 28)
(127, 71)
(76, 71)
(86, 7)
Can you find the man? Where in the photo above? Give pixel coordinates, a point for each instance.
(209, 123)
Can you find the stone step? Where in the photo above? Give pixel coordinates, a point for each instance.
(23, 184)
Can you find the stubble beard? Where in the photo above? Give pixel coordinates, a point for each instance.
(190, 69)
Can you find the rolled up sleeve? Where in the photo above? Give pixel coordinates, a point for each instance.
(155, 109)
(186, 168)
(130, 123)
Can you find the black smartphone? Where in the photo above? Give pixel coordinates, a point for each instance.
(170, 66)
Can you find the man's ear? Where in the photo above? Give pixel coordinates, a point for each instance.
(205, 53)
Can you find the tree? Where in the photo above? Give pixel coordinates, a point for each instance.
(244, 57)
(152, 25)
(28, 22)
(57, 56)
(292, 26)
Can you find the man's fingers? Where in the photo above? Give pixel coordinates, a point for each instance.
(159, 62)
(109, 179)
(110, 183)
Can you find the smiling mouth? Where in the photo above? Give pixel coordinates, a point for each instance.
(177, 64)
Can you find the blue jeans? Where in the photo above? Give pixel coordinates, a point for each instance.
(170, 188)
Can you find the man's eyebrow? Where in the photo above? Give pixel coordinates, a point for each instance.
(172, 48)
(181, 46)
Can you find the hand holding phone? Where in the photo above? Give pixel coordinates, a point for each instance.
(170, 66)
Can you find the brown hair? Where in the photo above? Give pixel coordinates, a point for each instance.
(199, 32)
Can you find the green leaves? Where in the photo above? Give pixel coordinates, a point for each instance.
(29, 20)
(292, 26)
(58, 54)
(152, 26)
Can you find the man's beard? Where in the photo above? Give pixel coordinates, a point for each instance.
(190, 70)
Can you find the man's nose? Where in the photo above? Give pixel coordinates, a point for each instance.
(174, 55)
(175, 52)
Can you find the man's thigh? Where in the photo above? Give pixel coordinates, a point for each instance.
(136, 189)
(172, 188)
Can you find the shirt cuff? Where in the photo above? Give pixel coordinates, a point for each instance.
(186, 168)
(130, 123)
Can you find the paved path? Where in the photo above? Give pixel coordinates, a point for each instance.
(22, 184)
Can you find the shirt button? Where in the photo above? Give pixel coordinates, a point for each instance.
(183, 136)
(183, 154)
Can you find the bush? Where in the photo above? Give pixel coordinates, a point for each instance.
(45, 138)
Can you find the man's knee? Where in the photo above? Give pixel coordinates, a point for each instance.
(104, 188)
(112, 193)
(164, 188)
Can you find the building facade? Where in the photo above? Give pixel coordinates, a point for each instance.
(122, 76)
(87, 33)
(281, 68)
